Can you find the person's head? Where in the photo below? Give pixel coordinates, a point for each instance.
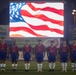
(39, 41)
(2, 39)
(27, 42)
(52, 43)
(64, 42)
(14, 42)
(74, 42)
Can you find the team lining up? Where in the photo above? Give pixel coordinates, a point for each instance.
(64, 51)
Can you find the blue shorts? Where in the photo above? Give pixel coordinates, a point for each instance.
(63, 57)
(27, 57)
(14, 56)
(73, 57)
(3, 55)
(39, 57)
(0, 55)
(51, 58)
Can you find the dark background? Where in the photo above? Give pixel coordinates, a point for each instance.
(68, 17)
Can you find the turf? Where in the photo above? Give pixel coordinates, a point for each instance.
(33, 69)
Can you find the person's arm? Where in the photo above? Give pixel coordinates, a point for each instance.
(43, 50)
(59, 51)
(30, 50)
(23, 50)
(68, 52)
(35, 49)
(18, 51)
(47, 49)
(33, 53)
(56, 50)
(7, 52)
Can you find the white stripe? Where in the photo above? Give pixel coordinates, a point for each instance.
(23, 33)
(37, 22)
(22, 24)
(53, 5)
(48, 14)
(43, 33)
(19, 24)
(48, 33)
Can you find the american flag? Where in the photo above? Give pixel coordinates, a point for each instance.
(36, 19)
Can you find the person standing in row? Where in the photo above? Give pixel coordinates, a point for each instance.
(64, 53)
(3, 53)
(52, 52)
(14, 55)
(27, 55)
(39, 51)
(73, 55)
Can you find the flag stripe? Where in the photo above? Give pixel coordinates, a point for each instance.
(22, 24)
(48, 4)
(52, 9)
(49, 14)
(41, 16)
(24, 29)
(36, 28)
(36, 22)
(20, 32)
(45, 27)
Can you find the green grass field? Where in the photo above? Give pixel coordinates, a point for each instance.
(33, 69)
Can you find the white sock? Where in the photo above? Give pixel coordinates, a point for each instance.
(26, 66)
(4, 65)
(73, 65)
(53, 65)
(16, 66)
(41, 66)
(63, 66)
(13, 66)
(38, 65)
(50, 65)
(1, 65)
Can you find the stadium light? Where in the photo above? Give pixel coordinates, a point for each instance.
(74, 13)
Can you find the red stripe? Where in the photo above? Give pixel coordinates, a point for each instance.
(41, 16)
(45, 27)
(24, 29)
(32, 7)
(51, 9)
(60, 12)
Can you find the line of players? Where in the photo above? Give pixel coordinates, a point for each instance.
(39, 49)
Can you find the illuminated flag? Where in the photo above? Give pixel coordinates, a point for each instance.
(35, 19)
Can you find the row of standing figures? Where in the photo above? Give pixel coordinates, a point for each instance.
(39, 49)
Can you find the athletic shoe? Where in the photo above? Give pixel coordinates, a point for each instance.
(40, 70)
(50, 70)
(65, 70)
